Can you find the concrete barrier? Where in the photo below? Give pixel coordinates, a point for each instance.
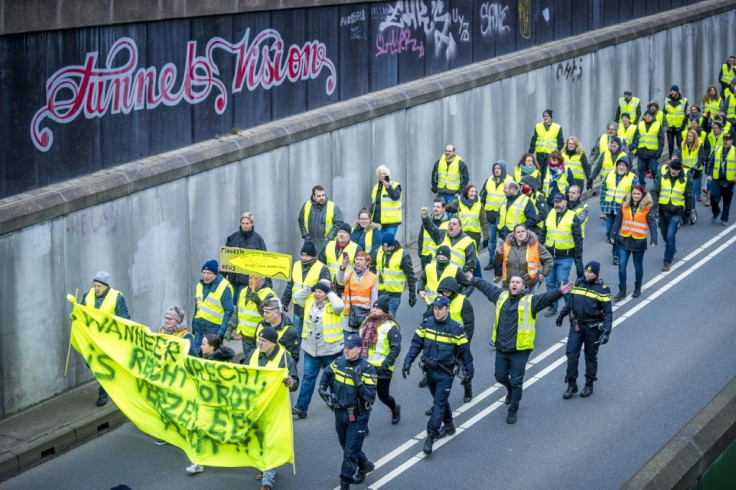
(154, 222)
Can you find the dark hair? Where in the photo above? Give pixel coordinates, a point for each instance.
(214, 340)
(466, 190)
(364, 210)
(317, 188)
(440, 200)
(524, 157)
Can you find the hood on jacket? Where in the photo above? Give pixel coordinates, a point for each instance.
(501, 164)
(531, 182)
(646, 201)
(531, 237)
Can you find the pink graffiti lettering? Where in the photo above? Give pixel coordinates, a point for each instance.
(398, 41)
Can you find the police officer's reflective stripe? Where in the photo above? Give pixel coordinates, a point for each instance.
(515, 212)
(275, 362)
(390, 209)
(575, 165)
(391, 278)
(690, 157)
(210, 308)
(608, 163)
(108, 304)
(494, 192)
(648, 138)
(559, 236)
(546, 138)
(429, 246)
(329, 216)
(469, 216)
(634, 225)
(670, 193)
(334, 260)
(730, 164)
(526, 329)
(617, 192)
(457, 251)
(675, 114)
(433, 282)
(346, 378)
(310, 280)
(628, 107)
(444, 337)
(578, 291)
(378, 353)
(331, 322)
(579, 211)
(448, 175)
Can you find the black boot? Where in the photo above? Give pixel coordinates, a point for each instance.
(507, 400)
(428, 445)
(446, 430)
(587, 390)
(637, 290)
(488, 267)
(621, 294)
(468, 392)
(344, 485)
(396, 414)
(572, 388)
(511, 417)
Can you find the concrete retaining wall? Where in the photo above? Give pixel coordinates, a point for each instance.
(153, 223)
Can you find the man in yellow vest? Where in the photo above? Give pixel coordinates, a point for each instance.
(561, 235)
(434, 273)
(613, 189)
(626, 132)
(546, 138)
(675, 112)
(104, 298)
(386, 202)
(449, 175)
(649, 143)
(727, 74)
(462, 247)
(334, 252)
(603, 143)
(319, 219)
(491, 197)
(245, 320)
(628, 104)
(673, 197)
(214, 304)
(426, 246)
(274, 317)
(721, 178)
(270, 354)
(580, 207)
(395, 273)
(514, 331)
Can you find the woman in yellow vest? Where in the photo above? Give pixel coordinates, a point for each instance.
(558, 177)
(366, 233)
(711, 102)
(175, 326)
(577, 162)
(322, 337)
(629, 231)
(693, 159)
(528, 166)
(381, 347)
(386, 202)
(473, 219)
(524, 257)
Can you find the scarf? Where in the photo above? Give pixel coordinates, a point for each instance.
(369, 331)
(468, 202)
(528, 170)
(555, 172)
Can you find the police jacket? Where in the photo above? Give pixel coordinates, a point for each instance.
(590, 304)
(441, 344)
(243, 239)
(508, 319)
(353, 383)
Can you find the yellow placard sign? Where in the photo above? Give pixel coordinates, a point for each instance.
(258, 262)
(219, 414)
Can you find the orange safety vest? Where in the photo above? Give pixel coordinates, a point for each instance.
(358, 293)
(533, 264)
(634, 226)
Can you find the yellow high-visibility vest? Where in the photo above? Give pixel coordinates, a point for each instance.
(391, 278)
(469, 216)
(429, 246)
(334, 261)
(433, 282)
(617, 192)
(108, 304)
(457, 251)
(672, 193)
(248, 315)
(331, 322)
(559, 236)
(448, 174)
(511, 216)
(730, 164)
(526, 330)
(390, 210)
(574, 164)
(310, 280)
(648, 138)
(494, 192)
(379, 352)
(210, 308)
(628, 107)
(546, 138)
(675, 114)
(330, 215)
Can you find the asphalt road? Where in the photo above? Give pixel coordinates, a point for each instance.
(670, 352)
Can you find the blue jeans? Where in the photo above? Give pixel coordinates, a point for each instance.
(560, 273)
(509, 371)
(668, 226)
(351, 435)
(440, 384)
(610, 218)
(642, 164)
(575, 341)
(269, 477)
(389, 229)
(312, 366)
(623, 261)
(477, 270)
(493, 233)
(393, 303)
(697, 188)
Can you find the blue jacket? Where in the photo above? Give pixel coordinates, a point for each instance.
(202, 325)
(590, 303)
(352, 382)
(442, 342)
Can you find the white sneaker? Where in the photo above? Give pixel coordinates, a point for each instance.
(194, 468)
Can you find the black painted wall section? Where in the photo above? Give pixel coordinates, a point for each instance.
(69, 106)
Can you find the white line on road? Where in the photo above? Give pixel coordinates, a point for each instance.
(558, 362)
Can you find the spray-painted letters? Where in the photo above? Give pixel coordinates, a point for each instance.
(435, 21)
(493, 19)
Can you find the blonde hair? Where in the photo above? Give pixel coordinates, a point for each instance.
(696, 140)
(249, 216)
(578, 145)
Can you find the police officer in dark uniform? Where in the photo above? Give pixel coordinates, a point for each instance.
(443, 341)
(591, 320)
(348, 386)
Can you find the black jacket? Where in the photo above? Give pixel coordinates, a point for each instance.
(577, 236)
(590, 303)
(670, 209)
(243, 239)
(439, 235)
(441, 344)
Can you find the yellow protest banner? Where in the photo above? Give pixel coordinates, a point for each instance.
(219, 414)
(258, 262)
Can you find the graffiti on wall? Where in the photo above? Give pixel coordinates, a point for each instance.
(434, 20)
(493, 19)
(356, 22)
(570, 70)
(463, 26)
(121, 87)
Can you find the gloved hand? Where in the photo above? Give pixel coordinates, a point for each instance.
(357, 378)
(384, 368)
(589, 185)
(405, 370)
(324, 393)
(485, 243)
(558, 322)
(229, 335)
(252, 296)
(466, 380)
(412, 300)
(603, 339)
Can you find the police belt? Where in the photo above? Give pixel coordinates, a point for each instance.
(438, 367)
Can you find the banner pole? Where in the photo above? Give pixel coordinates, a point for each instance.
(69, 347)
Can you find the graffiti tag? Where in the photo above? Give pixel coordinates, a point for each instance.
(435, 22)
(463, 26)
(570, 70)
(493, 19)
(397, 41)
